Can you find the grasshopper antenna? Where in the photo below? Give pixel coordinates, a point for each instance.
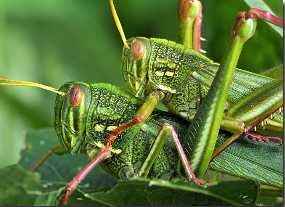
(118, 24)
(26, 83)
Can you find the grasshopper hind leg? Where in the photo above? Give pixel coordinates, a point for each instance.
(166, 131)
(262, 125)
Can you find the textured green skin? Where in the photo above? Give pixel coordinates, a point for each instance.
(193, 76)
(110, 105)
(74, 128)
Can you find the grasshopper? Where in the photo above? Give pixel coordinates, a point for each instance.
(216, 130)
(46, 48)
(86, 114)
(181, 78)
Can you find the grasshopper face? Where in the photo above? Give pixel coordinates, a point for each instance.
(135, 61)
(70, 115)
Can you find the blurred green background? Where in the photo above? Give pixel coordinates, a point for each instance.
(52, 42)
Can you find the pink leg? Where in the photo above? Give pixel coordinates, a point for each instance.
(72, 185)
(183, 157)
(197, 27)
(106, 152)
(255, 13)
(259, 137)
(138, 119)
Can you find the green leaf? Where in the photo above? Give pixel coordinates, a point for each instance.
(18, 187)
(99, 188)
(25, 190)
(179, 192)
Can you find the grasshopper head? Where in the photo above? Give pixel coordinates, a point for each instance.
(70, 115)
(135, 63)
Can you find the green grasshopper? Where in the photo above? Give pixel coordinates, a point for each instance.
(86, 114)
(216, 130)
(181, 78)
(77, 25)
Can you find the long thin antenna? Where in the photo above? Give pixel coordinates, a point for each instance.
(26, 83)
(118, 24)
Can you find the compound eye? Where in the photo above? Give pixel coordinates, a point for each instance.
(138, 49)
(75, 96)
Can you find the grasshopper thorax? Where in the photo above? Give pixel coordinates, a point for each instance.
(70, 115)
(135, 63)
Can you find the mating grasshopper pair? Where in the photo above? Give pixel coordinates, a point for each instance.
(175, 99)
(245, 158)
(169, 72)
(242, 159)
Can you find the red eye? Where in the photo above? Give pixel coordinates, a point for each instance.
(75, 96)
(138, 49)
